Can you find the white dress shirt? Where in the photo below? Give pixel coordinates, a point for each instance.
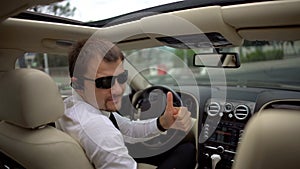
(103, 143)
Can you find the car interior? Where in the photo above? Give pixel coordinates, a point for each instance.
(240, 125)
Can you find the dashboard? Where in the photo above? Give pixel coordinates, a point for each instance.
(223, 117)
(222, 129)
(222, 114)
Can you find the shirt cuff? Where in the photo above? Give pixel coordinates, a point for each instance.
(160, 128)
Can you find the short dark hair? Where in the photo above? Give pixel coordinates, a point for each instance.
(87, 49)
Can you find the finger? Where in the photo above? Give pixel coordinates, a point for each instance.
(187, 121)
(186, 126)
(184, 120)
(182, 126)
(182, 112)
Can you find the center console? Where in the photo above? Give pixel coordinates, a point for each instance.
(222, 129)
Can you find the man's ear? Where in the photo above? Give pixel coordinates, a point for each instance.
(77, 83)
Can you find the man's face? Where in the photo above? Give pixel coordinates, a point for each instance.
(104, 99)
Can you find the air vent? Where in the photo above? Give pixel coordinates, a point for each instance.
(241, 112)
(213, 109)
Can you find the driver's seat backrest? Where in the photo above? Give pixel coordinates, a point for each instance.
(30, 100)
(271, 141)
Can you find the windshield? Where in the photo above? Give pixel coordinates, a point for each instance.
(269, 64)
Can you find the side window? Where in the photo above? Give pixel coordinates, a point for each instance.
(54, 65)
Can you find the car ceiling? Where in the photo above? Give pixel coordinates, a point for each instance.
(269, 20)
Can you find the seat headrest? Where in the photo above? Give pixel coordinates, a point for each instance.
(271, 140)
(29, 98)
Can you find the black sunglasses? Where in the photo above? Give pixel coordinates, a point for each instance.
(108, 81)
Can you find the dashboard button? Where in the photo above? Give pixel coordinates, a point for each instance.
(220, 149)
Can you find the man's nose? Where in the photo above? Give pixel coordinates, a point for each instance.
(116, 87)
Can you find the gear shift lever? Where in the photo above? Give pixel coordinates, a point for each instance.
(215, 158)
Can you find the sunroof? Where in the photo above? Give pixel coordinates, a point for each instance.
(96, 10)
(102, 13)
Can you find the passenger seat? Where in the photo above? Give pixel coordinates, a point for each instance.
(30, 100)
(271, 141)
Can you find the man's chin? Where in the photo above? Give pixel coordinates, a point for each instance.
(113, 107)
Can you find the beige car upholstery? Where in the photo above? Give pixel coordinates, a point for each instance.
(271, 141)
(29, 100)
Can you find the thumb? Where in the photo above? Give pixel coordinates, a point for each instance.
(169, 106)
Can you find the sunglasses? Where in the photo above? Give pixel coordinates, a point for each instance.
(108, 81)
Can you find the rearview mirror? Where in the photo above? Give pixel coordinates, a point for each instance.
(217, 60)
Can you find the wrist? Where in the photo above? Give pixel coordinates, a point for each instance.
(159, 125)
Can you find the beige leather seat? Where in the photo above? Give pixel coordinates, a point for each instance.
(271, 141)
(29, 100)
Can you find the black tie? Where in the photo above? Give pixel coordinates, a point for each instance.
(113, 120)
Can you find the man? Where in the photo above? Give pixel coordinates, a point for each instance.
(99, 80)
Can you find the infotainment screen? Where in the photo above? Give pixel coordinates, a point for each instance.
(226, 135)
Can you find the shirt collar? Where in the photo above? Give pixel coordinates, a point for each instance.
(77, 97)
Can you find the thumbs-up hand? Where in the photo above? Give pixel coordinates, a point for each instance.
(175, 117)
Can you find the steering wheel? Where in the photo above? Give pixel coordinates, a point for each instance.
(151, 95)
(151, 103)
